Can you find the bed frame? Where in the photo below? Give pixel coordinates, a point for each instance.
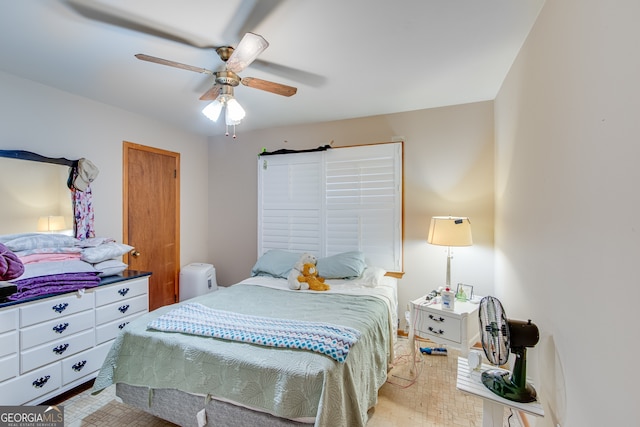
(182, 408)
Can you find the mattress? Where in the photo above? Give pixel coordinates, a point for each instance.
(293, 384)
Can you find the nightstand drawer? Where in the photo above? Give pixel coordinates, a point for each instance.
(439, 325)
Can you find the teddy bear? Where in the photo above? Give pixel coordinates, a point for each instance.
(296, 271)
(310, 277)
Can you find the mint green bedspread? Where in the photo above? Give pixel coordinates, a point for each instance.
(289, 383)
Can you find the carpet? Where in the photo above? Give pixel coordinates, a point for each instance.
(115, 414)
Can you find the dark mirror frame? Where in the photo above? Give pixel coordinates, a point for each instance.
(28, 155)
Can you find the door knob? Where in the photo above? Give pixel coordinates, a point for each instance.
(135, 254)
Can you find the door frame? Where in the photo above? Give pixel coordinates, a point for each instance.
(126, 145)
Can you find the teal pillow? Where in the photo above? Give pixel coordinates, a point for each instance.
(275, 263)
(347, 265)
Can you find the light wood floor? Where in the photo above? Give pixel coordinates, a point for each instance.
(426, 398)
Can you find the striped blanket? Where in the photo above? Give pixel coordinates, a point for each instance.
(197, 319)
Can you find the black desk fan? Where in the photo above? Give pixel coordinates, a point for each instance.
(499, 335)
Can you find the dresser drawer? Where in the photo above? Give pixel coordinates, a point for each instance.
(8, 367)
(437, 324)
(82, 364)
(55, 329)
(121, 291)
(55, 350)
(55, 308)
(121, 309)
(110, 330)
(8, 320)
(31, 386)
(8, 343)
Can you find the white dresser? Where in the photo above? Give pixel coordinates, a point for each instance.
(51, 345)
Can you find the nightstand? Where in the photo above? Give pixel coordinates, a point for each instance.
(457, 328)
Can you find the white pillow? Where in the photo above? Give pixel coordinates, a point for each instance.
(372, 276)
(104, 252)
(110, 267)
(34, 240)
(55, 267)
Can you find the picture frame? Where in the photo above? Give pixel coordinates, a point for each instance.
(464, 292)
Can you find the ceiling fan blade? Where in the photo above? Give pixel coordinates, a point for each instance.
(290, 73)
(99, 11)
(268, 86)
(211, 94)
(180, 65)
(246, 52)
(249, 15)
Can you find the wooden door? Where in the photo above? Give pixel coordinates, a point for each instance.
(151, 218)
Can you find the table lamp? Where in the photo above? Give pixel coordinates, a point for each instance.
(51, 223)
(449, 231)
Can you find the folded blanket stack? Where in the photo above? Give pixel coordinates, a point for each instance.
(53, 284)
(39, 264)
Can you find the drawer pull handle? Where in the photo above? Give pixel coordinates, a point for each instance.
(436, 319)
(39, 383)
(123, 291)
(61, 348)
(60, 328)
(60, 307)
(123, 308)
(439, 331)
(78, 366)
(122, 325)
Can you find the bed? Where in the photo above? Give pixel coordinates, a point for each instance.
(194, 380)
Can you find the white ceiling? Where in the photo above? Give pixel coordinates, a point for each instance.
(354, 58)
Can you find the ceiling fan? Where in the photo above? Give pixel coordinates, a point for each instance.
(236, 60)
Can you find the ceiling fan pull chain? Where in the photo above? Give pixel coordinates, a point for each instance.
(234, 131)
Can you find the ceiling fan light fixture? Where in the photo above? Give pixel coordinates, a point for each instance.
(235, 113)
(212, 111)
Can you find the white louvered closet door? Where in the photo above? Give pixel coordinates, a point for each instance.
(333, 201)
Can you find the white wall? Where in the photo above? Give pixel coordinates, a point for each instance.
(57, 124)
(448, 170)
(568, 205)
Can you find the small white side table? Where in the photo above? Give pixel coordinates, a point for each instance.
(457, 328)
(492, 405)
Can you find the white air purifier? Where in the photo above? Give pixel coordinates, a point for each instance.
(197, 279)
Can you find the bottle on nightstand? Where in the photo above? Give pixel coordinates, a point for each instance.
(448, 299)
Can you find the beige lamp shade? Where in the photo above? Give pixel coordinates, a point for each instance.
(51, 223)
(450, 231)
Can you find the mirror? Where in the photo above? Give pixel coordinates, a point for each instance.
(33, 186)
